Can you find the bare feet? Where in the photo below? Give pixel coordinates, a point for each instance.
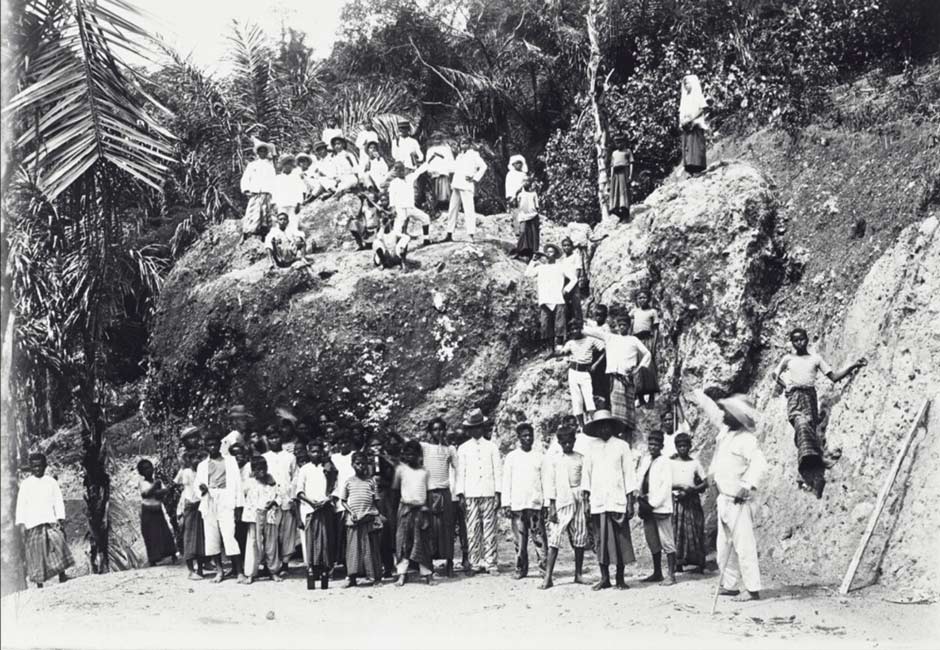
(746, 596)
(277, 577)
(579, 580)
(728, 592)
(401, 581)
(349, 583)
(603, 584)
(194, 576)
(517, 576)
(218, 577)
(547, 583)
(653, 578)
(668, 581)
(621, 585)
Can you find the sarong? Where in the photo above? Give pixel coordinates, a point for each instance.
(693, 149)
(411, 538)
(688, 523)
(316, 532)
(623, 402)
(362, 550)
(612, 541)
(47, 553)
(287, 534)
(194, 537)
(647, 382)
(526, 524)
(803, 413)
(158, 538)
(573, 310)
(528, 241)
(256, 214)
(571, 520)
(388, 508)
(442, 524)
(619, 202)
(441, 191)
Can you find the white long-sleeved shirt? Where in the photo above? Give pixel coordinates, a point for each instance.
(624, 353)
(408, 151)
(401, 191)
(562, 478)
(609, 475)
(376, 169)
(443, 164)
(479, 470)
(289, 190)
(738, 462)
(550, 282)
(514, 181)
(344, 472)
(39, 501)
(468, 170)
(343, 164)
(258, 177)
(311, 480)
(522, 480)
(282, 465)
(660, 482)
(232, 495)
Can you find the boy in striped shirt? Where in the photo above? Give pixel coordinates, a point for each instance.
(581, 349)
(440, 459)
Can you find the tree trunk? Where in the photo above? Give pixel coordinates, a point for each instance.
(595, 94)
(12, 558)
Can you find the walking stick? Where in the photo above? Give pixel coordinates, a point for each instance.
(721, 574)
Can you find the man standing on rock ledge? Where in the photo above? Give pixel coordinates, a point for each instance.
(737, 468)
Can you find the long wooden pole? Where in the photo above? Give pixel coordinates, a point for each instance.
(882, 500)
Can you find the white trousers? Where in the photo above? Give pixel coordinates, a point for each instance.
(737, 551)
(581, 390)
(464, 198)
(218, 522)
(405, 216)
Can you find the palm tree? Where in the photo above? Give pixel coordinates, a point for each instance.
(87, 144)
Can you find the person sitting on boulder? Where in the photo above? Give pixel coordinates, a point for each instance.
(374, 169)
(796, 374)
(322, 171)
(289, 191)
(581, 348)
(646, 328)
(344, 167)
(401, 196)
(390, 247)
(285, 244)
(305, 173)
(365, 224)
(551, 280)
(257, 184)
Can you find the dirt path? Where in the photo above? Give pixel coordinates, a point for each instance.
(159, 608)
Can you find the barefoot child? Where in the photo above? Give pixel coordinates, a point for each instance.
(219, 481)
(608, 481)
(522, 494)
(566, 505)
(194, 540)
(40, 514)
(262, 513)
(158, 538)
(655, 507)
(581, 349)
(796, 374)
(688, 518)
(646, 328)
(359, 500)
(440, 459)
(412, 535)
(282, 467)
(316, 512)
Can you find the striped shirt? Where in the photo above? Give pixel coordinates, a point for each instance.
(360, 495)
(439, 460)
(413, 484)
(582, 349)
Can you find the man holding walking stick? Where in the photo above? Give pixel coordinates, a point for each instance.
(736, 469)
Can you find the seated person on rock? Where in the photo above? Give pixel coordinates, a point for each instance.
(373, 171)
(344, 167)
(285, 244)
(322, 171)
(365, 224)
(390, 246)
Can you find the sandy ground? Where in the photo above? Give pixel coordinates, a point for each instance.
(160, 608)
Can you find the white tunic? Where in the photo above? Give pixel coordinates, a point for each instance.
(258, 177)
(522, 480)
(39, 501)
(468, 170)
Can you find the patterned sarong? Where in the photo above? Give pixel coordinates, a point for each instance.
(442, 524)
(362, 549)
(573, 521)
(47, 553)
(688, 522)
(256, 214)
(194, 537)
(411, 538)
(623, 400)
(612, 541)
(803, 413)
(158, 538)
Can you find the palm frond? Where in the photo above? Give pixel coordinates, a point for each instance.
(382, 102)
(255, 79)
(81, 104)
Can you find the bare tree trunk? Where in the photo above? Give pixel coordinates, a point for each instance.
(12, 558)
(595, 94)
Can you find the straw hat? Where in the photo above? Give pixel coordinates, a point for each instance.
(557, 249)
(741, 410)
(258, 144)
(304, 156)
(191, 431)
(475, 418)
(338, 137)
(603, 415)
(239, 411)
(319, 144)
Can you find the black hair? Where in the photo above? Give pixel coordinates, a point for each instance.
(359, 455)
(258, 462)
(39, 456)
(413, 447)
(143, 463)
(798, 330)
(437, 420)
(525, 426)
(602, 308)
(212, 436)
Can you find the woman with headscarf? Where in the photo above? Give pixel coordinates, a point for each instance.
(621, 170)
(692, 107)
(688, 518)
(518, 170)
(440, 166)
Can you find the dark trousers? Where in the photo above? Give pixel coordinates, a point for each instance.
(552, 322)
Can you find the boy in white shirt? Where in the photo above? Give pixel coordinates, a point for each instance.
(40, 513)
(373, 168)
(344, 167)
(522, 498)
(656, 508)
(581, 349)
(366, 136)
(283, 466)
(289, 191)
(405, 149)
(401, 197)
(551, 281)
(316, 513)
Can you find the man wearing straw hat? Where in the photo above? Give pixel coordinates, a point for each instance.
(405, 149)
(737, 469)
(479, 484)
(608, 480)
(257, 184)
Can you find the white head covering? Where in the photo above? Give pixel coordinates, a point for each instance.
(518, 158)
(257, 144)
(691, 102)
